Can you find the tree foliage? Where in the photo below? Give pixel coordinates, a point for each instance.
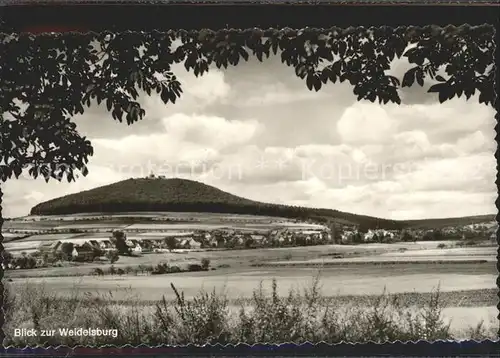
(47, 79)
(67, 250)
(119, 239)
(205, 263)
(171, 243)
(8, 258)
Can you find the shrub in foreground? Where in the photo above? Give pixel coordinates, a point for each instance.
(298, 316)
(205, 263)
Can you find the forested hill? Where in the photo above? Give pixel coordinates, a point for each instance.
(182, 195)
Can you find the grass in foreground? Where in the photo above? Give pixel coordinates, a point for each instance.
(209, 318)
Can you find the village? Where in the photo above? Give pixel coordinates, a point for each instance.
(136, 243)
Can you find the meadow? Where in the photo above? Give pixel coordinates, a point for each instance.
(239, 283)
(365, 291)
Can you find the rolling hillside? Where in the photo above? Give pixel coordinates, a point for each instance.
(438, 223)
(182, 195)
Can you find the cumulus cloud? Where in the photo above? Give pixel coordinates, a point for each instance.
(256, 131)
(186, 144)
(364, 123)
(279, 93)
(22, 194)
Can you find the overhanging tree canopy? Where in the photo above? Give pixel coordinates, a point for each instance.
(58, 76)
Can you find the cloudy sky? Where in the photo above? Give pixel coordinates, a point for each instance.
(255, 130)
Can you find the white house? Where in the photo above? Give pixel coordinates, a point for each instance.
(190, 244)
(369, 235)
(347, 234)
(135, 246)
(213, 242)
(257, 238)
(106, 245)
(240, 240)
(137, 249)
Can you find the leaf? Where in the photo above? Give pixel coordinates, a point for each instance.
(244, 54)
(165, 95)
(324, 76)
(84, 171)
(482, 97)
(325, 53)
(190, 62)
(69, 176)
(337, 68)
(316, 83)
(300, 71)
(469, 91)
(439, 87)
(420, 77)
(440, 78)
(342, 48)
(285, 56)
(332, 76)
(17, 171)
(445, 91)
(371, 96)
(394, 80)
(399, 47)
(274, 47)
(409, 77)
(368, 50)
(310, 81)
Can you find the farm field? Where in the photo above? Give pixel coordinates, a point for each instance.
(144, 222)
(199, 216)
(243, 259)
(47, 237)
(387, 259)
(29, 225)
(165, 234)
(242, 267)
(24, 245)
(34, 241)
(91, 226)
(240, 284)
(154, 214)
(410, 254)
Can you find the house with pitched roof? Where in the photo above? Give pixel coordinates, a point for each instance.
(49, 247)
(190, 244)
(82, 253)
